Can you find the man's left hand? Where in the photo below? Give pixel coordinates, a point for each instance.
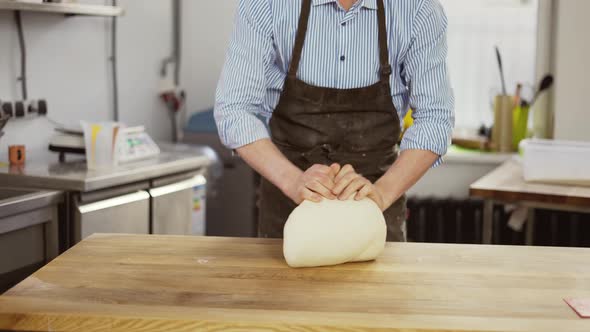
(348, 183)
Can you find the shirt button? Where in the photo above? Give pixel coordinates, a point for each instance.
(342, 58)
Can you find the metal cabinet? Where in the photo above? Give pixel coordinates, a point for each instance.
(161, 206)
(28, 232)
(173, 205)
(112, 212)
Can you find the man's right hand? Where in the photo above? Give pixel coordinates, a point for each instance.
(315, 184)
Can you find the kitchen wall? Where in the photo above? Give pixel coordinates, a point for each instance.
(572, 70)
(207, 28)
(68, 65)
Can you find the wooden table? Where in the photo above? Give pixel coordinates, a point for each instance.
(166, 283)
(506, 185)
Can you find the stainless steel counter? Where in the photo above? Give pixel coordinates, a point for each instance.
(73, 176)
(15, 200)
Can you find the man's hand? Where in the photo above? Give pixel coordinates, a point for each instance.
(314, 184)
(348, 183)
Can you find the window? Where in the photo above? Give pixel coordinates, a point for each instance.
(475, 28)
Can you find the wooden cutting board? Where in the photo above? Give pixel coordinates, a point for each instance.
(165, 283)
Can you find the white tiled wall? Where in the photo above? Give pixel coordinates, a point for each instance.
(475, 27)
(68, 64)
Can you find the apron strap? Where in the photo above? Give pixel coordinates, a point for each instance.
(300, 38)
(383, 48)
(385, 70)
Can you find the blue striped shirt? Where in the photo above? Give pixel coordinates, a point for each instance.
(341, 51)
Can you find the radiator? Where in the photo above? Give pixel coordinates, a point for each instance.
(460, 221)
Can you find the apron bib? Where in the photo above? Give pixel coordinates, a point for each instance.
(315, 125)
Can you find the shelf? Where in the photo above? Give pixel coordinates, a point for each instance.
(62, 8)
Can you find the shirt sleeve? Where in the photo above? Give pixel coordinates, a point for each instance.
(242, 87)
(431, 95)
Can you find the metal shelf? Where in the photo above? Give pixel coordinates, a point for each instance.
(62, 8)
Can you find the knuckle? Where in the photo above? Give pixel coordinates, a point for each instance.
(319, 180)
(323, 177)
(355, 180)
(312, 185)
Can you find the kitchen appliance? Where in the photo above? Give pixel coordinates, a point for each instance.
(134, 143)
(67, 141)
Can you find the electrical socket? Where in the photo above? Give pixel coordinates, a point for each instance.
(27, 108)
(7, 109)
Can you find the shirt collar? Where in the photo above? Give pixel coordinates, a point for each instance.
(369, 4)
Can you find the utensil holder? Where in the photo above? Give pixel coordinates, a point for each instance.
(520, 121)
(502, 138)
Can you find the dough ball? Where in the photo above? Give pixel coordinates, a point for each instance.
(334, 232)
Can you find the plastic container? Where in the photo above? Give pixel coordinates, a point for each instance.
(556, 162)
(100, 141)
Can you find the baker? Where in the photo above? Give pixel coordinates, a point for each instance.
(312, 93)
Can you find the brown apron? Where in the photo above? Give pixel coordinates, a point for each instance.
(314, 125)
